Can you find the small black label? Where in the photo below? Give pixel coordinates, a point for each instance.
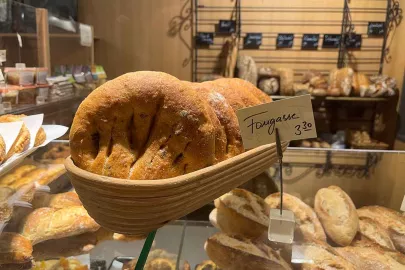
(353, 41)
(204, 38)
(331, 41)
(310, 41)
(376, 28)
(285, 40)
(227, 26)
(252, 40)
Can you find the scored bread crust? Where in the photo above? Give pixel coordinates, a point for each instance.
(238, 253)
(307, 221)
(337, 214)
(57, 201)
(247, 87)
(14, 248)
(21, 171)
(375, 232)
(142, 125)
(2, 149)
(47, 223)
(23, 138)
(226, 117)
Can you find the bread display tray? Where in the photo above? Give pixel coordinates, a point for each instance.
(140, 206)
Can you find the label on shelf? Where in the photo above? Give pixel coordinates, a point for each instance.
(3, 56)
(204, 38)
(227, 26)
(353, 41)
(281, 226)
(293, 117)
(252, 40)
(331, 41)
(376, 28)
(285, 41)
(310, 41)
(86, 35)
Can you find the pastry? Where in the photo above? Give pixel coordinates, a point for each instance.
(5, 193)
(360, 84)
(241, 212)
(241, 253)
(390, 220)
(57, 151)
(306, 220)
(40, 137)
(270, 86)
(373, 231)
(207, 265)
(286, 81)
(342, 79)
(369, 258)
(57, 201)
(2, 149)
(60, 264)
(337, 214)
(6, 212)
(16, 174)
(14, 249)
(226, 117)
(159, 259)
(23, 138)
(48, 223)
(30, 177)
(142, 125)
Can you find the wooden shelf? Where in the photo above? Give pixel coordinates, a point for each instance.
(354, 99)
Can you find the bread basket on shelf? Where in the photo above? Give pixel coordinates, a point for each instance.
(140, 206)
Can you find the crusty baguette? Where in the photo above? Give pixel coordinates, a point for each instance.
(14, 249)
(390, 220)
(240, 212)
(57, 201)
(375, 232)
(48, 223)
(337, 213)
(368, 258)
(21, 171)
(307, 221)
(243, 254)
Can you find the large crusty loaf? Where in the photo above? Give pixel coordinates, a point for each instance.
(337, 213)
(47, 223)
(226, 117)
(322, 256)
(307, 221)
(240, 212)
(375, 232)
(14, 248)
(238, 253)
(57, 201)
(142, 125)
(368, 258)
(390, 220)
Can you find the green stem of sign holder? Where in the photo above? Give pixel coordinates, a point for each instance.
(145, 251)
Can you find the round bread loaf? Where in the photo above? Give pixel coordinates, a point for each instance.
(143, 125)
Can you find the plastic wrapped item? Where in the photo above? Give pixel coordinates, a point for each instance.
(26, 95)
(20, 76)
(9, 93)
(41, 75)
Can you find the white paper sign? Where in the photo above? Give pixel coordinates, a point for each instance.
(86, 35)
(3, 55)
(293, 117)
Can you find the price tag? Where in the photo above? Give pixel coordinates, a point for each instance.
(331, 41)
(310, 42)
(3, 55)
(353, 41)
(252, 40)
(285, 40)
(227, 26)
(281, 226)
(376, 28)
(86, 35)
(204, 38)
(293, 117)
(301, 254)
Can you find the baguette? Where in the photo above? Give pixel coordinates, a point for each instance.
(56, 201)
(241, 212)
(243, 254)
(307, 221)
(373, 231)
(16, 174)
(48, 223)
(338, 214)
(14, 249)
(390, 220)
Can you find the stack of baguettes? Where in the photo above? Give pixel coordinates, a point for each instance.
(150, 125)
(333, 234)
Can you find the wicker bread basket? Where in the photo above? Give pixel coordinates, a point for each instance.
(138, 207)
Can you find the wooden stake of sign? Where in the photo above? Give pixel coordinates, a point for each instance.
(43, 50)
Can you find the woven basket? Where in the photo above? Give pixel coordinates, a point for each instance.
(138, 207)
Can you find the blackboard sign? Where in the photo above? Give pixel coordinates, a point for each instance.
(252, 40)
(310, 41)
(285, 40)
(353, 41)
(376, 28)
(227, 26)
(204, 38)
(331, 41)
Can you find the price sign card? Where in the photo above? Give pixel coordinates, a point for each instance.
(293, 117)
(353, 41)
(227, 26)
(252, 40)
(331, 41)
(310, 41)
(376, 28)
(285, 40)
(204, 38)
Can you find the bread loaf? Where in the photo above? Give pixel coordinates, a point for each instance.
(14, 249)
(159, 259)
(341, 79)
(56, 201)
(48, 223)
(21, 171)
(242, 254)
(360, 84)
(60, 264)
(241, 212)
(247, 69)
(207, 265)
(375, 232)
(390, 220)
(142, 125)
(337, 213)
(306, 219)
(286, 81)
